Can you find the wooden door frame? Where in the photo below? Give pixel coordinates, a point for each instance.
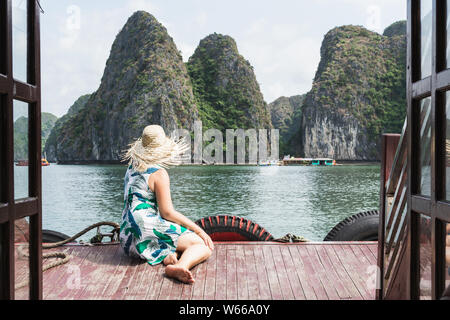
(12, 209)
(435, 87)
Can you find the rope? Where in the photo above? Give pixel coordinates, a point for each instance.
(64, 256)
(79, 234)
(290, 238)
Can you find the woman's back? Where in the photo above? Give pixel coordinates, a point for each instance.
(137, 193)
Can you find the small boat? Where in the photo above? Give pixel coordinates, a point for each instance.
(44, 162)
(25, 163)
(22, 163)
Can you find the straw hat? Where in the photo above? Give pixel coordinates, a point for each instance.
(154, 148)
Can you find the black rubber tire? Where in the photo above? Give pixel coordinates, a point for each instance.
(50, 236)
(359, 227)
(242, 228)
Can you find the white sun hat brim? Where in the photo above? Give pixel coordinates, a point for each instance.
(166, 153)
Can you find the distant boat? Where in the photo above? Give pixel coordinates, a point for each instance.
(268, 163)
(25, 163)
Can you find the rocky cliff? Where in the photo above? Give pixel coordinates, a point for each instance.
(358, 93)
(225, 86)
(286, 115)
(51, 146)
(145, 82)
(48, 121)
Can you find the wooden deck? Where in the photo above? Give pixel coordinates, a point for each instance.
(235, 271)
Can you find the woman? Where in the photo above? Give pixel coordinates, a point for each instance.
(151, 228)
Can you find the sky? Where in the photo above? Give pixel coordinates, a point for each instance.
(280, 38)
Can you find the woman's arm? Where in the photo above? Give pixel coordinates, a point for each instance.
(159, 183)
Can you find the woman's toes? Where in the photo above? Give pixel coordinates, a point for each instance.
(180, 273)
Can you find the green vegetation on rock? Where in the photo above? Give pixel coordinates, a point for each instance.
(286, 114)
(225, 86)
(359, 92)
(48, 121)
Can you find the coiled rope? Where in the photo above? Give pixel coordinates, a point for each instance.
(95, 241)
(291, 238)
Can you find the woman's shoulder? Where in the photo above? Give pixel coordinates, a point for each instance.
(149, 170)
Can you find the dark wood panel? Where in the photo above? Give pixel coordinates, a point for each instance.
(3, 213)
(25, 92)
(443, 211)
(421, 205)
(26, 207)
(4, 83)
(421, 89)
(443, 80)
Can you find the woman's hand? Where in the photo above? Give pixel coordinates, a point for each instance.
(207, 239)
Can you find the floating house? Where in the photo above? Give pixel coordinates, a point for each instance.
(308, 162)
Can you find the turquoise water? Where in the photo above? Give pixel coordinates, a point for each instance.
(307, 201)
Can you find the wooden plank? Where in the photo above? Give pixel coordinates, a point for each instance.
(106, 290)
(374, 249)
(77, 275)
(91, 271)
(137, 286)
(221, 274)
(199, 285)
(78, 257)
(242, 282)
(231, 273)
(124, 286)
(166, 286)
(210, 282)
(107, 266)
(263, 278)
(327, 282)
(350, 263)
(292, 273)
(154, 287)
(187, 289)
(252, 275)
(368, 254)
(119, 277)
(283, 278)
(301, 274)
(312, 276)
(332, 275)
(365, 268)
(50, 277)
(177, 289)
(272, 275)
(148, 277)
(342, 273)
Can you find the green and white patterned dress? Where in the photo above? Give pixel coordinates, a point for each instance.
(144, 233)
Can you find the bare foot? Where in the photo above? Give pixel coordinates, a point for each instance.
(170, 259)
(180, 273)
